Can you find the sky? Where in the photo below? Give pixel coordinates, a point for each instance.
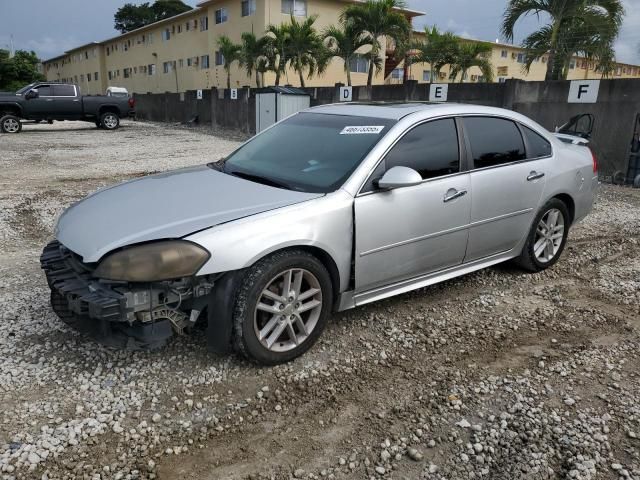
(51, 27)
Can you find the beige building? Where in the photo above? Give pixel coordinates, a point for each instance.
(180, 53)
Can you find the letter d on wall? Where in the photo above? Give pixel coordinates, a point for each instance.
(438, 92)
(584, 91)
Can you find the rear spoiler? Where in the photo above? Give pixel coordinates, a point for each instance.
(572, 139)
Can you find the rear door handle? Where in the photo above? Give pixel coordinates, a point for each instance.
(534, 176)
(453, 194)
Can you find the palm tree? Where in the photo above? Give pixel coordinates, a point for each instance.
(306, 52)
(377, 18)
(576, 26)
(343, 42)
(472, 54)
(230, 53)
(278, 43)
(437, 49)
(252, 55)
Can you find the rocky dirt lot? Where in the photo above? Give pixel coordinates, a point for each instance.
(496, 375)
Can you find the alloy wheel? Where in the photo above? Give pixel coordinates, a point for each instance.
(11, 125)
(549, 235)
(288, 310)
(110, 121)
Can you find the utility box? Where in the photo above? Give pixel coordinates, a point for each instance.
(275, 103)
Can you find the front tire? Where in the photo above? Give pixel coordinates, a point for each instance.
(547, 238)
(109, 121)
(10, 124)
(282, 307)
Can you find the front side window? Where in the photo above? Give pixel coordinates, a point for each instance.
(431, 149)
(494, 141)
(221, 15)
(537, 145)
(308, 152)
(64, 91)
(44, 91)
(294, 7)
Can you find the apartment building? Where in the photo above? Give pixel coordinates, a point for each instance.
(180, 53)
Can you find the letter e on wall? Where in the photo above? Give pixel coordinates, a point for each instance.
(584, 91)
(438, 92)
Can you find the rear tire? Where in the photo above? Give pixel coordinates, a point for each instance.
(10, 124)
(109, 121)
(547, 238)
(271, 326)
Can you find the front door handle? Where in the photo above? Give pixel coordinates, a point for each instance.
(534, 176)
(453, 194)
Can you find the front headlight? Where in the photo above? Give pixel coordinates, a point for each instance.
(153, 262)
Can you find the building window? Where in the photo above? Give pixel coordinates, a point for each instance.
(426, 75)
(127, 72)
(150, 38)
(110, 75)
(503, 71)
(95, 76)
(572, 64)
(82, 77)
(189, 62)
(504, 54)
(204, 22)
(166, 67)
(295, 7)
(179, 28)
(151, 69)
(219, 58)
(204, 61)
(359, 64)
(248, 7)
(521, 58)
(397, 73)
(221, 15)
(88, 77)
(166, 34)
(181, 63)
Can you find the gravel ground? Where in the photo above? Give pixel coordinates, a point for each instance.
(498, 374)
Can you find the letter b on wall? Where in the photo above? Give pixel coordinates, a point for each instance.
(584, 91)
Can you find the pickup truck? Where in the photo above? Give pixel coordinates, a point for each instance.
(44, 101)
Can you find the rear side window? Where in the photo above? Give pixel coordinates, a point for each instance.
(431, 149)
(494, 141)
(64, 91)
(537, 145)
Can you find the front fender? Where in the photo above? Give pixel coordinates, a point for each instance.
(325, 223)
(11, 106)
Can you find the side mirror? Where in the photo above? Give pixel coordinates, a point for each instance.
(31, 94)
(398, 177)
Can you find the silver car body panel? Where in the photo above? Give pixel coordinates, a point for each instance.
(167, 205)
(405, 238)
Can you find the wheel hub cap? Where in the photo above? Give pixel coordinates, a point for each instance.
(549, 235)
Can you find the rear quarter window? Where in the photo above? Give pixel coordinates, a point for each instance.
(537, 145)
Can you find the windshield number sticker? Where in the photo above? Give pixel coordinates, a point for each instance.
(362, 130)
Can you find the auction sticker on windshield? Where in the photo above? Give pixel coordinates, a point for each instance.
(361, 130)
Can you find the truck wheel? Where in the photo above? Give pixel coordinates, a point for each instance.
(109, 121)
(282, 305)
(10, 124)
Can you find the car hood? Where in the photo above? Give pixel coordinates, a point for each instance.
(167, 205)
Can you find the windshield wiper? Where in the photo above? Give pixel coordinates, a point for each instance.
(260, 179)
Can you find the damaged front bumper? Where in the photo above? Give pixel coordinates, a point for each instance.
(121, 314)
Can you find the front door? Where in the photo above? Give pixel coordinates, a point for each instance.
(507, 181)
(409, 231)
(40, 107)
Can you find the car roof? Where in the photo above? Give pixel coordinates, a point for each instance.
(398, 110)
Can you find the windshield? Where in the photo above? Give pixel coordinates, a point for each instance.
(310, 152)
(24, 89)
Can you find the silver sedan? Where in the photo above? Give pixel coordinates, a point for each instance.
(332, 208)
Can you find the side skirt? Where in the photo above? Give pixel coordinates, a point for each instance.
(351, 299)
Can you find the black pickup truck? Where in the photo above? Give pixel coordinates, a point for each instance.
(45, 101)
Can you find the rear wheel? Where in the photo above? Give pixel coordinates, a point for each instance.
(547, 237)
(10, 124)
(109, 120)
(282, 306)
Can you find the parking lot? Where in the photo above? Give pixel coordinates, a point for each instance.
(499, 374)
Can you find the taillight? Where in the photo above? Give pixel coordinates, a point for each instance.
(132, 102)
(595, 160)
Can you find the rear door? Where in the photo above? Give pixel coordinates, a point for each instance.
(66, 102)
(507, 181)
